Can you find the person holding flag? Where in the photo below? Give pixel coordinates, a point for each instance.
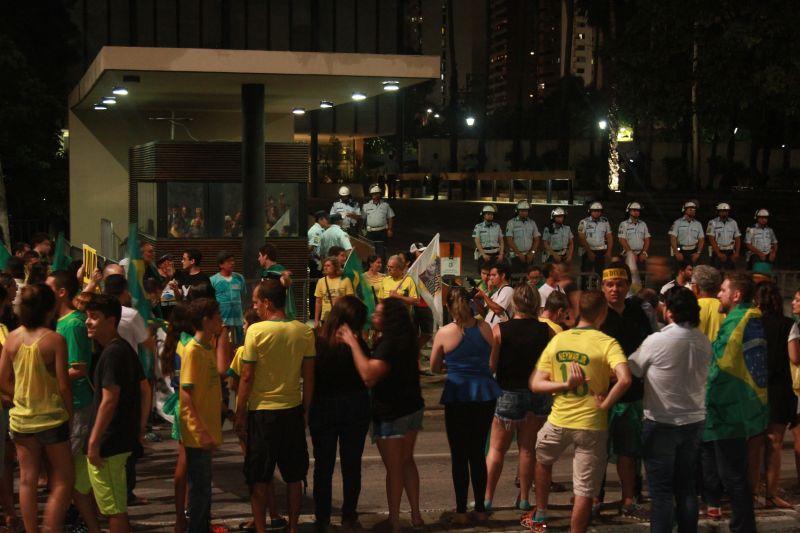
(397, 284)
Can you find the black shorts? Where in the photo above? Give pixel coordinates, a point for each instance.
(782, 407)
(423, 316)
(276, 437)
(47, 437)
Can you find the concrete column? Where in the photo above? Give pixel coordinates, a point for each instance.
(253, 186)
(314, 153)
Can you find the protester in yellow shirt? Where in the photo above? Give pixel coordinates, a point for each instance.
(706, 282)
(577, 367)
(331, 286)
(397, 284)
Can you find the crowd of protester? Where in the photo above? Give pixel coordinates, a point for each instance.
(697, 382)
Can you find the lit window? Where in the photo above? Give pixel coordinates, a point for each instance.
(581, 36)
(541, 86)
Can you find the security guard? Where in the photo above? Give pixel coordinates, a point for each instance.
(380, 219)
(686, 236)
(348, 208)
(633, 235)
(315, 234)
(596, 239)
(760, 240)
(724, 239)
(557, 238)
(488, 238)
(522, 237)
(333, 235)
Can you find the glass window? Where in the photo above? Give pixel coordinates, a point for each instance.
(186, 210)
(146, 208)
(224, 210)
(282, 211)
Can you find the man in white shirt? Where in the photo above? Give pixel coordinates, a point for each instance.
(498, 306)
(551, 272)
(682, 279)
(674, 364)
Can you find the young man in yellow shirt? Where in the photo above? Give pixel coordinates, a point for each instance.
(706, 281)
(201, 404)
(576, 367)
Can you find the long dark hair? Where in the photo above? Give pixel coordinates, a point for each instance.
(397, 329)
(346, 310)
(768, 298)
(179, 323)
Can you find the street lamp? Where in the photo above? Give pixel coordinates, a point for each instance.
(470, 120)
(602, 124)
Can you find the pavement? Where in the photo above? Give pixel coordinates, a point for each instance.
(231, 504)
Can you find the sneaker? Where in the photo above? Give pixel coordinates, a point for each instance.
(152, 437)
(714, 513)
(524, 505)
(636, 512)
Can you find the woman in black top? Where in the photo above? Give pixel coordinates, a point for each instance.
(340, 411)
(397, 405)
(518, 343)
(781, 397)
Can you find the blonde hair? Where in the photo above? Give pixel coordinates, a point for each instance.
(334, 261)
(526, 300)
(458, 306)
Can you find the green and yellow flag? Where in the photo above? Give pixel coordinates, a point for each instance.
(136, 276)
(5, 255)
(61, 259)
(736, 390)
(355, 272)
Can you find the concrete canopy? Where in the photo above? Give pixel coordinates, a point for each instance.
(207, 79)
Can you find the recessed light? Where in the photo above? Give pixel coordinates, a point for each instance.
(470, 121)
(429, 110)
(109, 100)
(299, 111)
(436, 115)
(99, 107)
(120, 91)
(325, 104)
(391, 85)
(359, 96)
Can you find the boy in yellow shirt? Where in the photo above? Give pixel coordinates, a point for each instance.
(201, 404)
(576, 367)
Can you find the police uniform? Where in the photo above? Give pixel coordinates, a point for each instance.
(688, 233)
(557, 237)
(635, 232)
(490, 235)
(314, 235)
(725, 232)
(594, 231)
(762, 238)
(523, 233)
(377, 217)
(343, 208)
(333, 236)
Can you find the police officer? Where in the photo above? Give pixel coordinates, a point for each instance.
(724, 239)
(488, 238)
(596, 239)
(557, 238)
(633, 235)
(315, 234)
(522, 237)
(380, 219)
(333, 235)
(348, 208)
(760, 240)
(686, 236)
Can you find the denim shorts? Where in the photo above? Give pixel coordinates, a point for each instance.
(514, 406)
(397, 428)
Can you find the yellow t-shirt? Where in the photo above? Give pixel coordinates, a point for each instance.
(3, 334)
(710, 317)
(199, 374)
(235, 369)
(555, 327)
(277, 349)
(598, 354)
(404, 287)
(337, 287)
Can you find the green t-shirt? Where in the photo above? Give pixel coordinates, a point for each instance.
(272, 272)
(79, 350)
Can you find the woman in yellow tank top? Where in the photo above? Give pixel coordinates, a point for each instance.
(33, 368)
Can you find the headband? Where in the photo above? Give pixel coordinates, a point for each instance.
(612, 273)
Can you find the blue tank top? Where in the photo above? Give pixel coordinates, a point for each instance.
(469, 378)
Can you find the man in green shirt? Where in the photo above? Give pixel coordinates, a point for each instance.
(72, 326)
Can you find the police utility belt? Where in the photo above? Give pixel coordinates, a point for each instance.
(381, 228)
(726, 248)
(487, 251)
(682, 248)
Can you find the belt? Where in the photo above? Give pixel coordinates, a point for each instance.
(560, 252)
(728, 248)
(686, 248)
(603, 249)
(370, 228)
(491, 251)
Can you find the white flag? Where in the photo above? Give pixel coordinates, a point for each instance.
(427, 274)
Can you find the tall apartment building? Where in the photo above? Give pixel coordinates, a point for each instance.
(552, 46)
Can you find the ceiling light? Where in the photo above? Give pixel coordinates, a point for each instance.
(429, 110)
(359, 96)
(470, 121)
(99, 107)
(120, 91)
(109, 100)
(436, 115)
(391, 85)
(299, 111)
(325, 104)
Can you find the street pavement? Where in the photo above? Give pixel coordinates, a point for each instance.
(231, 504)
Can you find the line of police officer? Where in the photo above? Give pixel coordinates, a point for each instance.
(521, 240)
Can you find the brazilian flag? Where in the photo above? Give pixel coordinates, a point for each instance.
(736, 390)
(61, 259)
(355, 272)
(5, 255)
(136, 268)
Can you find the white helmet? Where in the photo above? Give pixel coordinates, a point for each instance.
(762, 213)
(488, 209)
(634, 205)
(344, 191)
(557, 212)
(375, 189)
(596, 206)
(690, 203)
(523, 206)
(722, 206)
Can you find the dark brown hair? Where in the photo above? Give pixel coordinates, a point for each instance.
(592, 305)
(178, 323)
(739, 281)
(346, 310)
(200, 309)
(768, 298)
(458, 306)
(36, 303)
(272, 290)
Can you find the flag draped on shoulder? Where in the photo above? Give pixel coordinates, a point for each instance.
(736, 390)
(136, 276)
(355, 273)
(426, 272)
(61, 257)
